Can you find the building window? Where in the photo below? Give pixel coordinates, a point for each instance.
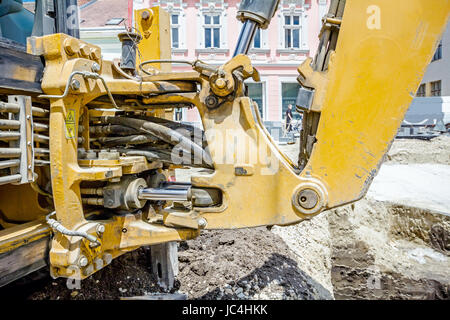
(114, 21)
(212, 31)
(421, 91)
(292, 31)
(175, 24)
(256, 93)
(289, 92)
(178, 114)
(438, 53)
(436, 88)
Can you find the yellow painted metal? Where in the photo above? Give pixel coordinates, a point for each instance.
(68, 173)
(23, 234)
(361, 104)
(156, 39)
(383, 50)
(20, 203)
(153, 24)
(362, 98)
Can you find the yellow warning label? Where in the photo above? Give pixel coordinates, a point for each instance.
(70, 124)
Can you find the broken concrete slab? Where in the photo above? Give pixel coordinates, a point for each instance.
(425, 186)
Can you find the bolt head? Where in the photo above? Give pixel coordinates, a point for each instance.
(89, 270)
(100, 228)
(202, 222)
(95, 54)
(85, 50)
(211, 101)
(75, 85)
(107, 258)
(145, 15)
(221, 83)
(308, 199)
(83, 261)
(71, 46)
(98, 263)
(95, 67)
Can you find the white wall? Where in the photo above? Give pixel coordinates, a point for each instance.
(440, 69)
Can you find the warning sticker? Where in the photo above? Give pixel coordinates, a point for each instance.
(70, 124)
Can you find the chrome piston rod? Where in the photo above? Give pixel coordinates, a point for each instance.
(246, 37)
(175, 185)
(155, 194)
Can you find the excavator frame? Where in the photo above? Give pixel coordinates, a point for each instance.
(354, 96)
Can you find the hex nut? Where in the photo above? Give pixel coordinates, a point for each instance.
(85, 50)
(75, 85)
(95, 67)
(71, 46)
(88, 270)
(221, 83)
(96, 54)
(98, 263)
(83, 261)
(107, 258)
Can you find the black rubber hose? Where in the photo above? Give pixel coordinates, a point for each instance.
(162, 132)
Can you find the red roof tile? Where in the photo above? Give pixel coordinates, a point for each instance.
(101, 11)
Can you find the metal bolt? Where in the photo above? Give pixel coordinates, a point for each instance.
(100, 228)
(145, 15)
(211, 101)
(28, 117)
(95, 67)
(221, 83)
(89, 269)
(96, 54)
(30, 167)
(107, 258)
(308, 199)
(202, 222)
(71, 46)
(83, 261)
(94, 244)
(98, 263)
(75, 85)
(85, 50)
(29, 143)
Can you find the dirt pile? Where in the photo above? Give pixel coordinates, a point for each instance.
(244, 264)
(238, 264)
(406, 151)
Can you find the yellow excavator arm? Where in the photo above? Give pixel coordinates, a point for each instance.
(103, 184)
